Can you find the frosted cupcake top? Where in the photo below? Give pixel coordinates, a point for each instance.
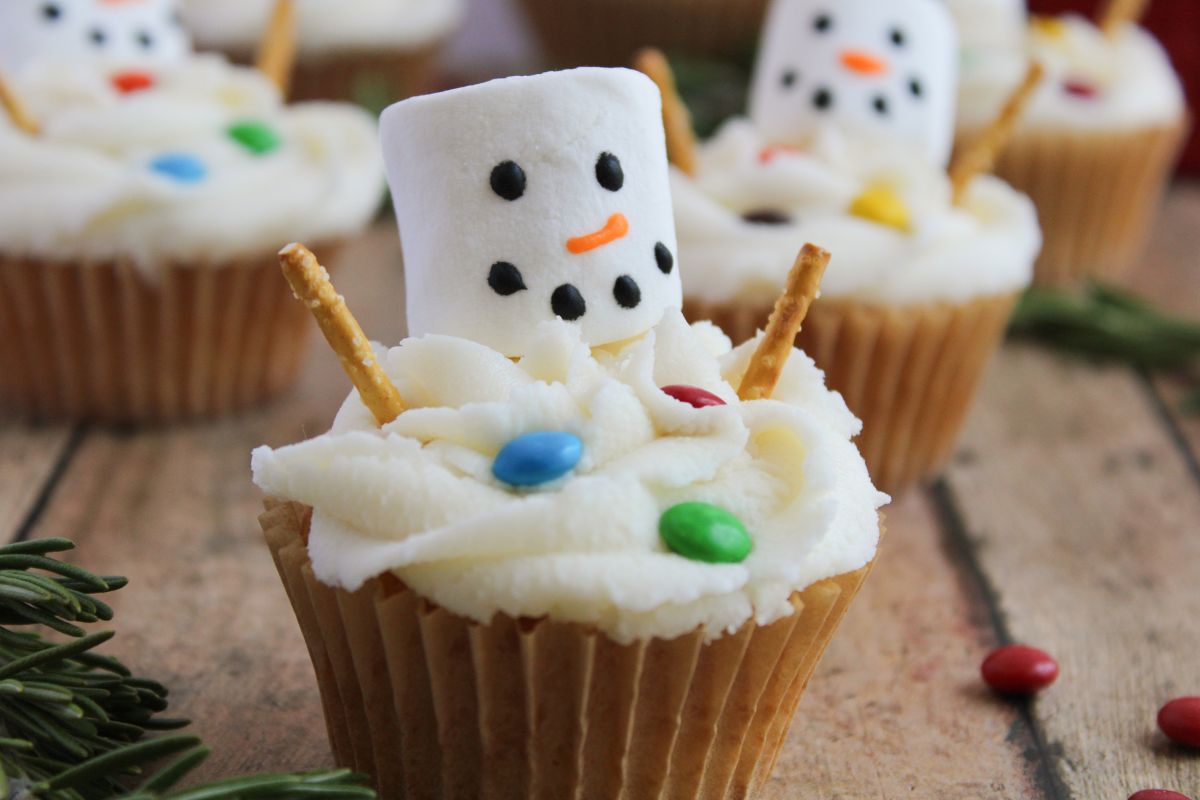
(197, 161)
(325, 25)
(887, 218)
(431, 498)
(1093, 82)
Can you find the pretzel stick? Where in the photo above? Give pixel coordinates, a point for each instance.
(980, 156)
(766, 365)
(1119, 13)
(17, 111)
(277, 50)
(310, 283)
(677, 120)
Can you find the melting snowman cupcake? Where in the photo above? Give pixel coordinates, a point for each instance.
(846, 144)
(566, 460)
(1097, 144)
(169, 180)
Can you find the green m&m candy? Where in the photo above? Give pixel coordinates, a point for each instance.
(257, 137)
(704, 532)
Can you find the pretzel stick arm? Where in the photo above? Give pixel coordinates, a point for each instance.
(677, 120)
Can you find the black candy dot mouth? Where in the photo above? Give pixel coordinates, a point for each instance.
(626, 292)
(505, 279)
(568, 303)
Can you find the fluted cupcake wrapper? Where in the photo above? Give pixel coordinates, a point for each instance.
(103, 342)
(1097, 195)
(908, 372)
(608, 32)
(438, 707)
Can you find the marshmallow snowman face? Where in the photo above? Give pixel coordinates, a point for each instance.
(126, 33)
(880, 68)
(528, 198)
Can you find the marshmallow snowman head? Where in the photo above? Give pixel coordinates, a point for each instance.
(124, 33)
(530, 198)
(880, 68)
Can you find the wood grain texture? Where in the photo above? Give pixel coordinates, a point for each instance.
(28, 458)
(896, 709)
(1084, 519)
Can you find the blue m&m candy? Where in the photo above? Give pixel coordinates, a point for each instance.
(704, 532)
(180, 167)
(536, 458)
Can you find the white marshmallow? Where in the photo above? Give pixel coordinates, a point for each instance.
(876, 68)
(131, 33)
(490, 269)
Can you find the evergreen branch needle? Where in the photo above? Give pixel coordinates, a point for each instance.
(120, 759)
(53, 654)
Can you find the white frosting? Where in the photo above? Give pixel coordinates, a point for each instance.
(83, 188)
(1135, 83)
(551, 134)
(418, 496)
(324, 25)
(952, 254)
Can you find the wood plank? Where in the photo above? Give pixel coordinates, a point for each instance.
(1085, 521)
(896, 708)
(28, 459)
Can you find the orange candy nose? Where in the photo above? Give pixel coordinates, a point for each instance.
(616, 227)
(132, 81)
(864, 63)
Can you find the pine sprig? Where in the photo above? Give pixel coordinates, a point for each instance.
(73, 722)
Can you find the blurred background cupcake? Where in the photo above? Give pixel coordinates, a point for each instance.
(1098, 144)
(607, 32)
(372, 52)
(144, 193)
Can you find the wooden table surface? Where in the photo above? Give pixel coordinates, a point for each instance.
(1069, 519)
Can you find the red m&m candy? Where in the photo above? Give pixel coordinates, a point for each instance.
(693, 396)
(1017, 669)
(1180, 721)
(1158, 794)
(1085, 90)
(132, 81)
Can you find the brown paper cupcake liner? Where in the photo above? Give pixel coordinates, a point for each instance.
(372, 78)
(1097, 195)
(608, 32)
(103, 342)
(909, 373)
(435, 706)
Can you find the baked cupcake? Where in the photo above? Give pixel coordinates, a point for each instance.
(1099, 140)
(373, 52)
(607, 32)
(140, 215)
(849, 132)
(572, 562)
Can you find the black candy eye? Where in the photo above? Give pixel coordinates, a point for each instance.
(823, 23)
(508, 180)
(627, 293)
(51, 12)
(664, 258)
(898, 37)
(98, 37)
(609, 173)
(789, 79)
(568, 303)
(145, 40)
(823, 99)
(916, 88)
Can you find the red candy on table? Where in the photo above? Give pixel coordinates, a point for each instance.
(1018, 669)
(132, 81)
(1158, 794)
(1179, 720)
(693, 396)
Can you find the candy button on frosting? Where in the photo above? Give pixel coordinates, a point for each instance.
(882, 205)
(704, 532)
(536, 458)
(257, 137)
(1084, 90)
(694, 396)
(180, 167)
